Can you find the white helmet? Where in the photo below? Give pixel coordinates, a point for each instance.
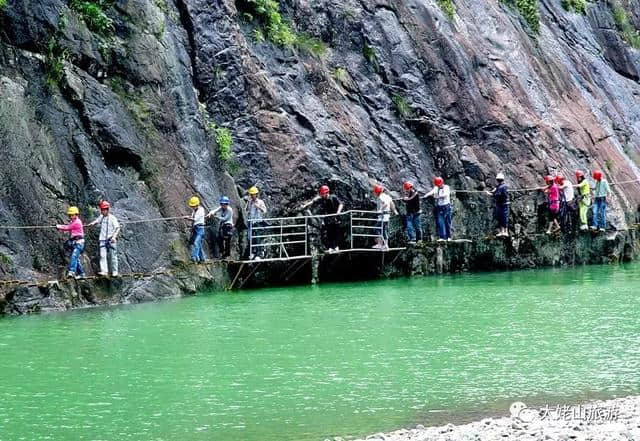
(500, 177)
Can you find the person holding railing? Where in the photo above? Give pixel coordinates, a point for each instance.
(197, 229)
(413, 225)
(256, 210)
(75, 243)
(553, 200)
(109, 231)
(385, 206)
(600, 193)
(224, 214)
(442, 194)
(567, 204)
(501, 205)
(584, 199)
(329, 204)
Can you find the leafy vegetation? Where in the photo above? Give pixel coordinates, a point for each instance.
(609, 164)
(529, 11)
(447, 7)
(55, 58)
(579, 6)
(402, 105)
(369, 54)
(278, 31)
(92, 12)
(626, 28)
(224, 141)
(3, 4)
(340, 74)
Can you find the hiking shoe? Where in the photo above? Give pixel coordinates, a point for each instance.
(602, 230)
(71, 274)
(583, 227)
(411, 242)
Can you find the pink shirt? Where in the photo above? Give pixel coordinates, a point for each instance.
(75, 227)
(554, 197)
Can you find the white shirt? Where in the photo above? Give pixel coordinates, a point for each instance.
(567, 188)
(108, 226)
(197, 216)
(256, 209)
(384, 206)
(442, 195)
(225, 217)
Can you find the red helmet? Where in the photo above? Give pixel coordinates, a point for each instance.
(548, 179)
(438, 181)
(407, 185)
(324, 190)
(377, 189)
(579, 174)
(559, 179)
(104, 205)
(597, 175)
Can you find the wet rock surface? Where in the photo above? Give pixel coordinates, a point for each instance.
(402, 92)
(617, 419)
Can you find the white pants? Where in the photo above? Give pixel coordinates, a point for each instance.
(108, 252)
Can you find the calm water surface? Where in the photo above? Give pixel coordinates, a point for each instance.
(308, 363)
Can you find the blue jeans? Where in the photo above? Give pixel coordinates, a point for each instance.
(444, 221)
(382, 228)
(600, 213)
(197, 235)
(75, 266)
(502, 215)
(413, 226)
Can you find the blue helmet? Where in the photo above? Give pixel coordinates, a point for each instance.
(224, 200)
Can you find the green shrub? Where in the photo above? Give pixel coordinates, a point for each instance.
(627, 30)
(579, 6)
(3, 4)
(224, 141)
(279, 31)
(340, 74)
(402, 105)
(608, 164)
(93, 15)
(529, 11)
(55, 58)
(447, 7)
(369, 54)
(258, 36)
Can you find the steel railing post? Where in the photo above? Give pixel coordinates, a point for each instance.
(351, 227)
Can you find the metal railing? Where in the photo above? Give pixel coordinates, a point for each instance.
(364, 224)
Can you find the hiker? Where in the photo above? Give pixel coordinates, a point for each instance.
(553, 200)
(501, 205)
(329, 204)
(600, 193)
(197, 229)
(109, 230)
(442, 194)
(384, 208)
(224, 214)
(584, 199)
(567, 203)
(75, 243)
(412, 220)
(256, 209)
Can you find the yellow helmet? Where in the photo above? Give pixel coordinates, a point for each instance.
(73, 211)
(194, 201)
(253, 190)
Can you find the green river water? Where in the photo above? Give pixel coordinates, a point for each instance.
(306, 363)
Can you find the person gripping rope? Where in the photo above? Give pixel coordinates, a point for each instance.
(109, 231)
(224, 214)
(197, 229)
(567, 204)
(384, 208)
(75, 243)
(329, 204)
(413, 224)
(584, 199)
(256, 210)
(442, 194)
(501, 205)
(600, 193)
(553, 200)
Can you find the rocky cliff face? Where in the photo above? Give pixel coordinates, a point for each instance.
(118, 101)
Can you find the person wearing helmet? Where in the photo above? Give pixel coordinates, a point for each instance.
(385, 206)
(224, 214)
(75, 244)
(584, 199)
(553, 200)
(329, 204)
(413, 224)
(256, 209)
(442, 194)
(501, 205)
(109, 231)
(197, 218)
(600, 194)
(567, 203)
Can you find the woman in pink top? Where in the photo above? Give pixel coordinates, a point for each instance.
(75, 242)
(553, 195)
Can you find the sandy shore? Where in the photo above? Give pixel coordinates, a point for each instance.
(617, 419)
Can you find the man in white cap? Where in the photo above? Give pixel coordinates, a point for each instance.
(501, 210)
